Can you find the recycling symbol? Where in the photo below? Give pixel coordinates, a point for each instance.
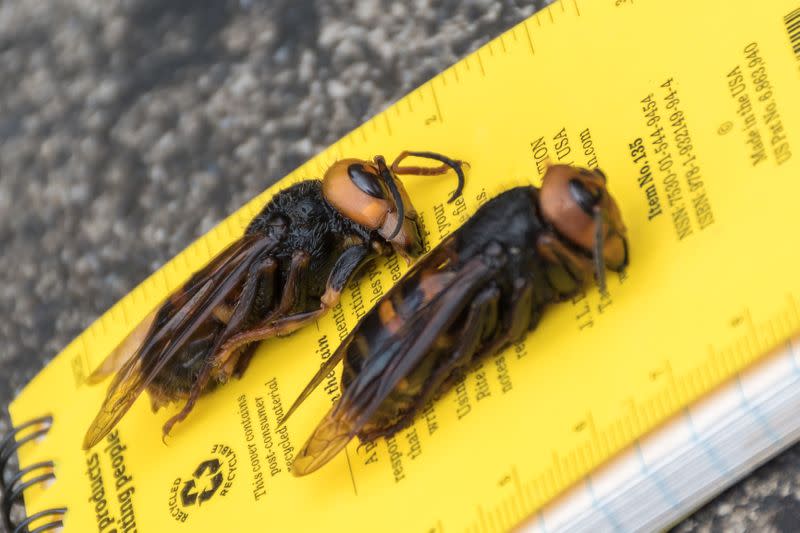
(206, 480)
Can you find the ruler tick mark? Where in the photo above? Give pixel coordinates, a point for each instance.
(436, 103)
(125, 317)
(530, 40)
(482, 518)
(388, 126)
(85, 354)
(480, 62)
(558, 477)
(208, 249)
(518, 486)
(491, 516)
(795, 311)
(513, 513)
(752, 333)
(577, 9)
(498, 517)
(771, 331)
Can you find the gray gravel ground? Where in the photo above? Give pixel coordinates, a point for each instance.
(129, 128)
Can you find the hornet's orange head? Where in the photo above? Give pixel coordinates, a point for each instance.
(369, 194)
(576, 202)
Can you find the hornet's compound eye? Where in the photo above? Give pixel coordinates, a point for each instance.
(587, 198)
(366, 181)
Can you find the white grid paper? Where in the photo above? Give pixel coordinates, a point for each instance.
(690, 459)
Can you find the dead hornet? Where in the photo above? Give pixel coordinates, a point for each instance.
(287, 269)
(484, 287)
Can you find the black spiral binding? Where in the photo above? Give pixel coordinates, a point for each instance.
(13, 486)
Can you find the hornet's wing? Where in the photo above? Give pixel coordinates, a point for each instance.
(162, 335)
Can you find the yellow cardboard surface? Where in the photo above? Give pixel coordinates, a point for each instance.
(691, 108)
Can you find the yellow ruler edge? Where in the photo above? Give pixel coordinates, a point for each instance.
(596, 441)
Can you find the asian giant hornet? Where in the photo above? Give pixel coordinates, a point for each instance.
(482, 288)
(287, 269)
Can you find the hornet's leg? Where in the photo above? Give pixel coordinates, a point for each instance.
(447, 164)
(279, 325)
(198, 349)
(347, 265)
(481, 326)
(294, 288)
(578, 269)
(226, 353)
(264, 298)
(258, 291)
(243, 361)
(520, 319)
(263, 271)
